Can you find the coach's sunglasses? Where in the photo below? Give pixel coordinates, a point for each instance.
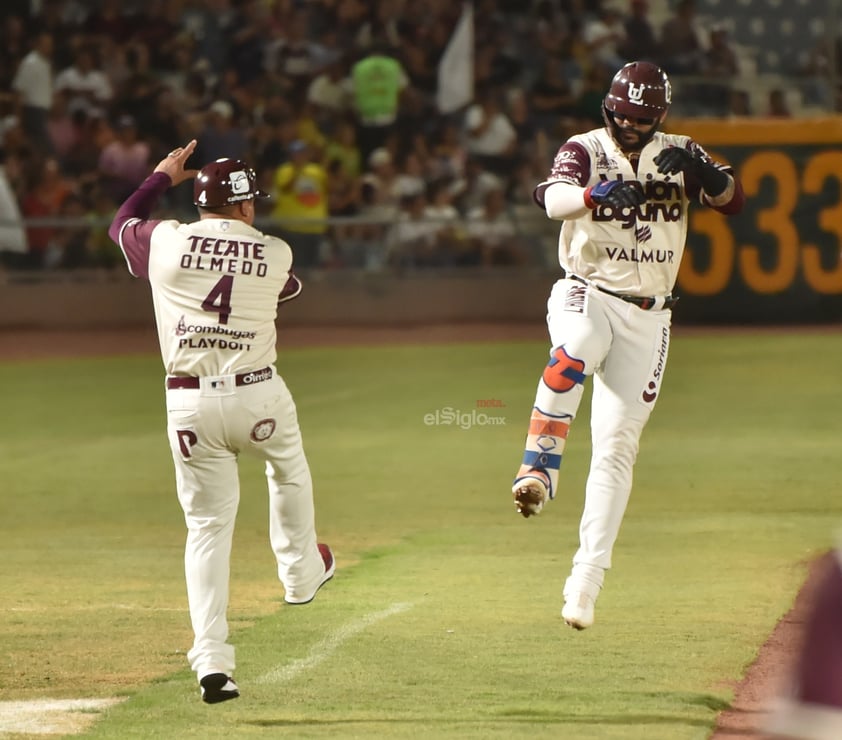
(633, 120)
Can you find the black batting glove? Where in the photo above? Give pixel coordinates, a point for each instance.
(614, 193)
(675, 159)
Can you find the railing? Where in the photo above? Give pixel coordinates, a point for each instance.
(364, 243)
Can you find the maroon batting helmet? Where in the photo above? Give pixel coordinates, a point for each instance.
(225, 182)
(640, 90)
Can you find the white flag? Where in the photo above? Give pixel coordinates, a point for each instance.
(456, 68)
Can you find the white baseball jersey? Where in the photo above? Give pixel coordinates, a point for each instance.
(643, 255)
(216, 284)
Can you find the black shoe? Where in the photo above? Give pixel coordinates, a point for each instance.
(217, 687)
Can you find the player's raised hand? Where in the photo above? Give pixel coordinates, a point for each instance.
(173, 163)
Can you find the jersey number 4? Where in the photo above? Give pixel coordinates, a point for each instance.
(219, 299)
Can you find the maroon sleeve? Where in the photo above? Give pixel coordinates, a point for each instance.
(131, 229)
(572, 164)
(291, 288)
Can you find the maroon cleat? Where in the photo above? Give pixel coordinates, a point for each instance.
(330, 567)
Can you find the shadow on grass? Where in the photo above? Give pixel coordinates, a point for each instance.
(545, 718)
(530, 716)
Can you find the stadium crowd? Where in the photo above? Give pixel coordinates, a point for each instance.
(333, 102)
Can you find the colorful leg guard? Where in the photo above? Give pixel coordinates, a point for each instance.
(544, 446)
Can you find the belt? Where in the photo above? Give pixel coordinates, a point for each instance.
(646, 303)
(191, 381)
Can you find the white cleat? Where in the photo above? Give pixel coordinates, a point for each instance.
(531, 493)
(578, 610)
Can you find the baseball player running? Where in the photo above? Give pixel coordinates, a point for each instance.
(216, 284)
(622, 192)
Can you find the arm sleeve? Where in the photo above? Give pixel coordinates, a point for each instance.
(131, 228)
(564, 201)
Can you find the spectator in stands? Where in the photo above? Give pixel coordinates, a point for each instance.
(491, 137)
(441, 210)
(60, 126)
(681, 41)
(778, 107)
(641, 41)
(414, 240)
(377, 83)
(448, 152)
(84, 83)
(90, 134)
(71, 240)
(492, 231)
(247, 41)
(43, 199)
(343, 202)
(292, 59)
(157, 26)
(329, 92)
(140, 85)
(108, 19)
(300, 190)
(553, 99)
(409, 179)
(33, 84)
(12, 234)
(720, 59)
(739, 103)
(343, 146)
(378, 182)
(605, 35)
(497, 60)
(222, 135)
(180, 70)
(550, 27)
(592, 95)
(124, 162)
(470, 190)
(440, 206)
(14, 45)
(100, 249)
(719, 66)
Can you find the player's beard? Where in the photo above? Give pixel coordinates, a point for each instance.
(630, 139)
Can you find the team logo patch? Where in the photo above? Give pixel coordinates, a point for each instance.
(643, 233)
(239, 182)
(603, 162)
(563, 372)
(263, 430)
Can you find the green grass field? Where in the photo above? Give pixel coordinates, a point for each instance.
(443, 618)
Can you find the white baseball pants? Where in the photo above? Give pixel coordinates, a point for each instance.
(625, 349)
(208, 429)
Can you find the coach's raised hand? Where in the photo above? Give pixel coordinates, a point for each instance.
(173, 163)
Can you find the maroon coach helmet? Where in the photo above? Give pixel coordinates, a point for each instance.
(640, 90)
(224, 182)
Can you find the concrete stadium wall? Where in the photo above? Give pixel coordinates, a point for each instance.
(82, 300)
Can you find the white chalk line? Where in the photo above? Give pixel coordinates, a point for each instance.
(51, 716)
(324, 648)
